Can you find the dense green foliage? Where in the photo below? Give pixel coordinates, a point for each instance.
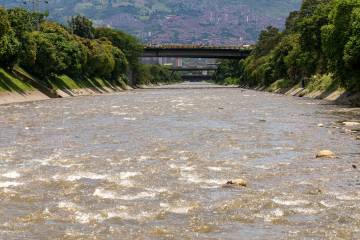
(9, 45)
(82, 27)
(152, 74)
(322, 38)
(126, 42)
(49, 50)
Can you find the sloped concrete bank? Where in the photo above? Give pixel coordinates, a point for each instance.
(37, 95)
(16, 97)
(19, 86)
(337, 96)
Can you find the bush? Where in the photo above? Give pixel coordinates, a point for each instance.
(231, 81)
(154, 74)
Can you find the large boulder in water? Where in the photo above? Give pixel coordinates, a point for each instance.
(325, 154)
(351, 124)
(237, 183)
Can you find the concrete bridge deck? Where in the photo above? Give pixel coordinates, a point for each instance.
(197, 51)
(189, 69)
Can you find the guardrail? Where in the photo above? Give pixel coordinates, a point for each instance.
(193, 46)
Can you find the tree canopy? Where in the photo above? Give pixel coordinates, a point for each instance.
(79, 50)
(322, 37)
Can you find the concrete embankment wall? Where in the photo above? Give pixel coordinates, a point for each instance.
(15, 97)
(36, 95)
(337, 95)
(19, 86)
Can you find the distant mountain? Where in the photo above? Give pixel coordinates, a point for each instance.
(177, 21)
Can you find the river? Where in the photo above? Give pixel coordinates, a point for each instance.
(152, 164)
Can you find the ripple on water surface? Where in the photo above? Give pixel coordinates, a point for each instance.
(155, 167)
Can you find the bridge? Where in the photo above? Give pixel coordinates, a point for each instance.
(197, 51)
(193, 69)
(196, 78)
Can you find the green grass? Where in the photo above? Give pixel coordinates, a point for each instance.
(14, 82)
(65, 82)
(281, 84)
(10, 83)
(231, 81)
(324, 82)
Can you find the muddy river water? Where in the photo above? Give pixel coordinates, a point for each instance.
(151, 164)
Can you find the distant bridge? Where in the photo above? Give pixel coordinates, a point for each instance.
(191, 69)
(197, 51)
(194, 69)
(196, 78)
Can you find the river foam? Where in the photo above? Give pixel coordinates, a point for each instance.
(11, 174)
(290, 202)
(107, 194)
(10, 184)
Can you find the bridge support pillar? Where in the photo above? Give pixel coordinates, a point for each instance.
(130, 75)
(179, 62)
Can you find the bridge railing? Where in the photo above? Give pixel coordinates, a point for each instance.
(193, 46)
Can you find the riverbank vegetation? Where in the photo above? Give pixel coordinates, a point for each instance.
(74, 54)
(319, 49)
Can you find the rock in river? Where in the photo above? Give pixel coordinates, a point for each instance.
(237, 183)
(325, 154)
(351, 124)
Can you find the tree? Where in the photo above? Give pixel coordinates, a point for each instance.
(82, 27)
(127, 43)
(268, 39)
(101, 62)
(9, 45)
(338, 36)
(4, 22)
(352, 47)
(42, 57)
(308, 7)
(54, 51)
(21, 20)
(121, 63)
(291, 22)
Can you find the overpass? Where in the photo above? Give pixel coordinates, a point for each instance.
(197, 51)
(194, 69)
(196, 78)
(190, 69)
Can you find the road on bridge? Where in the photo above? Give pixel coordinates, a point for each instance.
(197, 51)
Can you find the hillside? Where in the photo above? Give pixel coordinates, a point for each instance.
(178, 21)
